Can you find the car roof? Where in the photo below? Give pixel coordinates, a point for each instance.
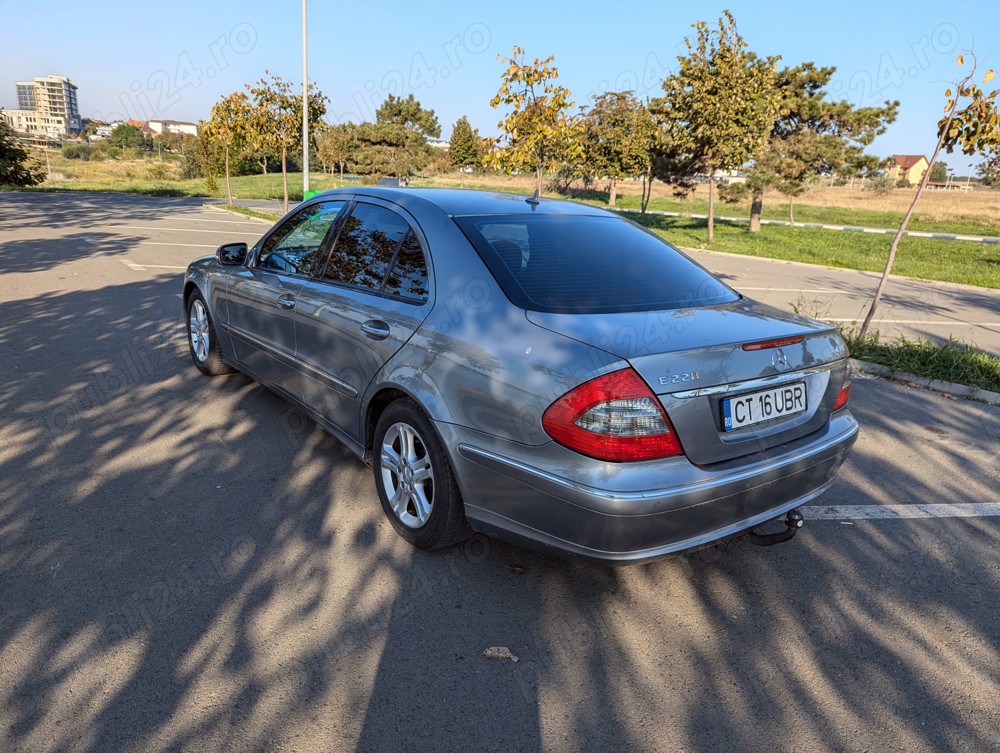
(460, 202)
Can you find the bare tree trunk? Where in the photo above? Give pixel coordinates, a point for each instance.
(711, 206)
(284, 175)
(906, 219)
(647, 192)
(538, 183)
(612, 192)
(791, 211)
(229, 190)
(756, 209)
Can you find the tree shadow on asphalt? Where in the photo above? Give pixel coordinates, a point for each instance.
(39, 255)
(189, 564)
(84, 209)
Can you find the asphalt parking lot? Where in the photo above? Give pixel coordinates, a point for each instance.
(188, 564)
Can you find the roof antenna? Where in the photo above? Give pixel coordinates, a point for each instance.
(534, 199)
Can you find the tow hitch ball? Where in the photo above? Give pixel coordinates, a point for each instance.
(793, 522)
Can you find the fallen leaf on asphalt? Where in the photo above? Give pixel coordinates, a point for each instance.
(499, 652)
(516, 568)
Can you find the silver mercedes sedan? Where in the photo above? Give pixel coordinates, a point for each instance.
(542, 371)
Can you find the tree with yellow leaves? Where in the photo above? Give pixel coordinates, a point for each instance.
(539, 133)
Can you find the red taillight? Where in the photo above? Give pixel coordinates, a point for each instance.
(843, 396)
(613, 417)
(845, 390)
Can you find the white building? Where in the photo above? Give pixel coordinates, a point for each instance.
(47, 107)
(173, 126)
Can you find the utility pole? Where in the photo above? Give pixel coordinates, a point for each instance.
(305, 108)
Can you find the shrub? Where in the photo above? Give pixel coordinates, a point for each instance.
(735, 194)
(78, 151)
(158, 171)
(880, 185)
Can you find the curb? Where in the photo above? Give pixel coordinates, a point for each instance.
(936, 385)
(251, 218)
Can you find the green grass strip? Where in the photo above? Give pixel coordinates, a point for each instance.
(952, 361)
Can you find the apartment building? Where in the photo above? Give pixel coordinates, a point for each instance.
(47, 107)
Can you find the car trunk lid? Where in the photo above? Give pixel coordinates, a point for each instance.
(712, 366)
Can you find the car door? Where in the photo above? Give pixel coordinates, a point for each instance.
(263, 295)
(371, 297)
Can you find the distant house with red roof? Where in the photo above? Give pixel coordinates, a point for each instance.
(174, 126)
(908, 167)
(142, 125)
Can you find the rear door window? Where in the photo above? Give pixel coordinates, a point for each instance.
(376, 249)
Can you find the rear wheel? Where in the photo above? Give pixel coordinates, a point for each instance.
(204, 346)
(415, 483)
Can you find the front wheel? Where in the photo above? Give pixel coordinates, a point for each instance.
(204, 346)
(415, 483)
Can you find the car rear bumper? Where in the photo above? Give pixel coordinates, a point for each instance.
(551, 498)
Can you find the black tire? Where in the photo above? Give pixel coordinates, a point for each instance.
(415, 483)
(202, 342)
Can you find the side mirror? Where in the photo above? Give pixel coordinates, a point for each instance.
(232, 254)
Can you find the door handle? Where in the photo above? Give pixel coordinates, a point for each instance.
(375, 329)
(286, 301)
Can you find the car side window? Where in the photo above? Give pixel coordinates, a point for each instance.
(294, 248)
(377, 250)
(408, 276)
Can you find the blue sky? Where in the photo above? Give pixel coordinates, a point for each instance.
(174, 59)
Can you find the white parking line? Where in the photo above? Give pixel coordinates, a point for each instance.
(948, 322)
(241, 220)
(176, 229)
(178, 245)
(897, 512)
(806, 290)
(139, 267)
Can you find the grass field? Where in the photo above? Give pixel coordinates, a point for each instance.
(948, 261)
(973, 212)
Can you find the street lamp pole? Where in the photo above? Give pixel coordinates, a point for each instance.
(305, 108)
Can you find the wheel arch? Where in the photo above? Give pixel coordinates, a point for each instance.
(189, 288)
(383, 397)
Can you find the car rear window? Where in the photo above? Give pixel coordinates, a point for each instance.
(588, 265)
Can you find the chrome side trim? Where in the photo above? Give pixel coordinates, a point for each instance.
(321, 376)
(752, 384)
(301, 366)
(256, 342)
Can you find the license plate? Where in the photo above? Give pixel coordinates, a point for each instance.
(766, 405)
